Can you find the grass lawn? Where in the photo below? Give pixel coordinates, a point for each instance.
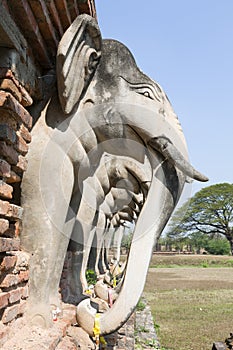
(192, 305)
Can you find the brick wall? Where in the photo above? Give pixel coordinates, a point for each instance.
(29, 35)
(15, 123)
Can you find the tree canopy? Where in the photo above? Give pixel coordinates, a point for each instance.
(209, 211)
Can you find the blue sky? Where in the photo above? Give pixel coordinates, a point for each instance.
(187, 47)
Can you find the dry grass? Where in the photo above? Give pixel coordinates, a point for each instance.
(192, 306)
(185, 260)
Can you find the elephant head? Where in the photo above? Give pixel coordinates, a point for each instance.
(105, 105)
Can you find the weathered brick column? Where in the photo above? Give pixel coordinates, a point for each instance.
(30, 31)
(15, 123)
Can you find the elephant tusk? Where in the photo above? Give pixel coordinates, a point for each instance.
(169, 151)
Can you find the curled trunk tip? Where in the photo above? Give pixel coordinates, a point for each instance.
(165, 147)
(199, 176)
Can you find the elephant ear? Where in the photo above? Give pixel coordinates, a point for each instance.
(77, 58)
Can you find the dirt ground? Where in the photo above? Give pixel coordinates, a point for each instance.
(199, 278)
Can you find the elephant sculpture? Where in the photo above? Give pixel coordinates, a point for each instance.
(108, 131)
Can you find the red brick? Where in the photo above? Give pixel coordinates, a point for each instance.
(6, 73)
(21, 145)
(9, 153)
(13, 178)
(22, 307)
(15, 295)
(55, 17)
(64, 14)
(4, 207)
(26, 98)
(30, 26)
(7, 134)
(73, 9)
(25, 292)
(87, 7)
(4, 300)
(21, 165)
(24, 132)
(10, 313)
(10, 233)
(23, 276)
(7, 117)
(8, 263)
(13, 230)
(18, 228)
(4, 226)
(5, 190)
(15, 212)
(41, 14)
(9, 281)
(9, 103)
(5, 169)
(8, 244)
(12, 211)
(7, 84)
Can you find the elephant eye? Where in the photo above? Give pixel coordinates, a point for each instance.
(146, 92)
(153, 92)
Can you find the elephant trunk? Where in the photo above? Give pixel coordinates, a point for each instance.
(155, 213)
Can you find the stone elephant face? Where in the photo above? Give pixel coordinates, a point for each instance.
(101, 77)
(121, 103)
(120, 124)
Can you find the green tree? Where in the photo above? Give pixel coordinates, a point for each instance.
(209, 211)
(218, 246)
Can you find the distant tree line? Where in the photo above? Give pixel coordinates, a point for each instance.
(204, 222)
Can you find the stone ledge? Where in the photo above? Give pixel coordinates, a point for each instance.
(29, 337)
(145, 335)
(138, 332)
(66, 335)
